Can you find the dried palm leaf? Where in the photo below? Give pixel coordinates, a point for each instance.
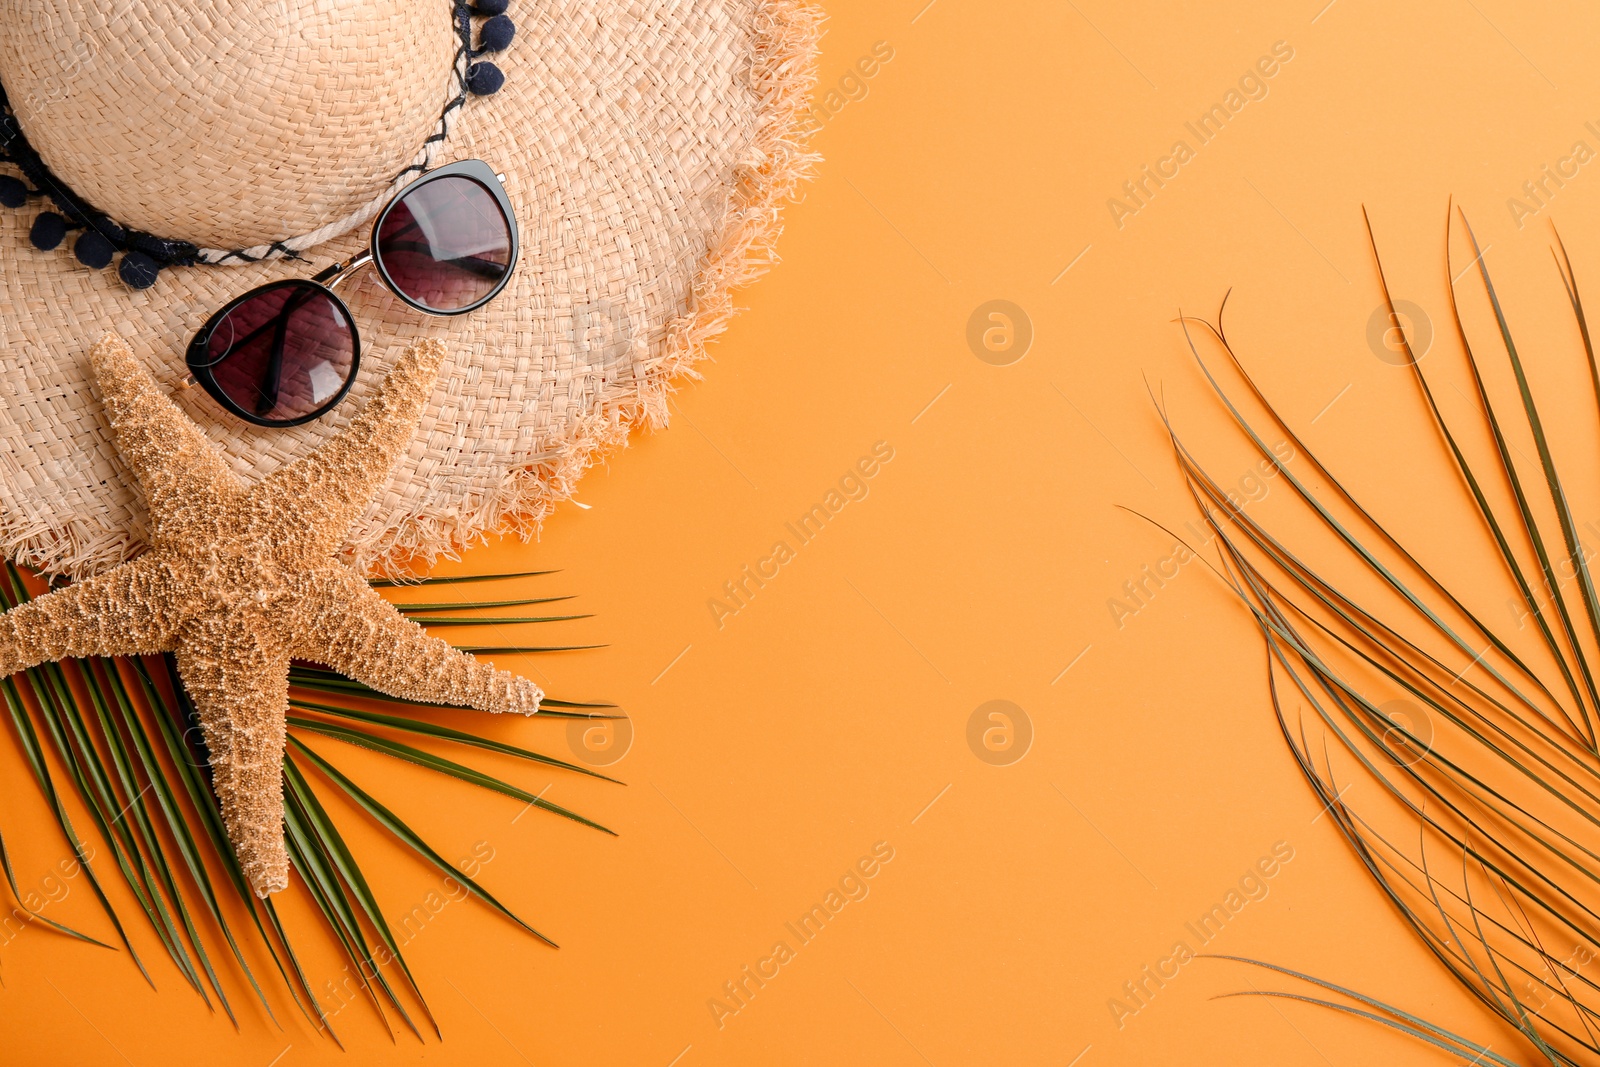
(1457, 758)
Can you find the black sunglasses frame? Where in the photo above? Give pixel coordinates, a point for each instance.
(323, 283)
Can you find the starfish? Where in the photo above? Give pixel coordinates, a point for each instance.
(240, 579)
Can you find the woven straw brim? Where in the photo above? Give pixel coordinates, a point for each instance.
(647, 149)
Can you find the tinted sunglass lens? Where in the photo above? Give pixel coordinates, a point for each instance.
(445, 244)
(283, 353)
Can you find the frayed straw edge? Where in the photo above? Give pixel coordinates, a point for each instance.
(784, 72)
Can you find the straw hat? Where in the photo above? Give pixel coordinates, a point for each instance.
(220, 144)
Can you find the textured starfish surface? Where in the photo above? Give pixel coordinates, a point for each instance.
(239, 579)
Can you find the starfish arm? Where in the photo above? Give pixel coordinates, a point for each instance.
(323, 494)
(116, 613)
(240, 687)
(182, 475)
(352, 629)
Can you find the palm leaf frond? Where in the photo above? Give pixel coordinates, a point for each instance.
(118, 741)
(1458, 758)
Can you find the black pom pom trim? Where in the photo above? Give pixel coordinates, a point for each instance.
(495, 34)
(102, 238)
(146, 255)
(13, 191)
(484, 79)
(48, 231)
(93, 250)
(138, 270)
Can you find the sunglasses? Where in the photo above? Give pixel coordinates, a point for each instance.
(287, 352)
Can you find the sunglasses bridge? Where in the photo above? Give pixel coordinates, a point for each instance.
(340, 272)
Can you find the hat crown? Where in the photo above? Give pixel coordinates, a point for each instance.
(227, 123)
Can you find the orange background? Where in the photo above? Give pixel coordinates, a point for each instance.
(831, 712)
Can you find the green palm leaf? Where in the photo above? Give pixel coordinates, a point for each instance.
(127, 736)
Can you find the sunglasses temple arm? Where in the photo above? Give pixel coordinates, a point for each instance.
(272, 378)
(339, 272)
